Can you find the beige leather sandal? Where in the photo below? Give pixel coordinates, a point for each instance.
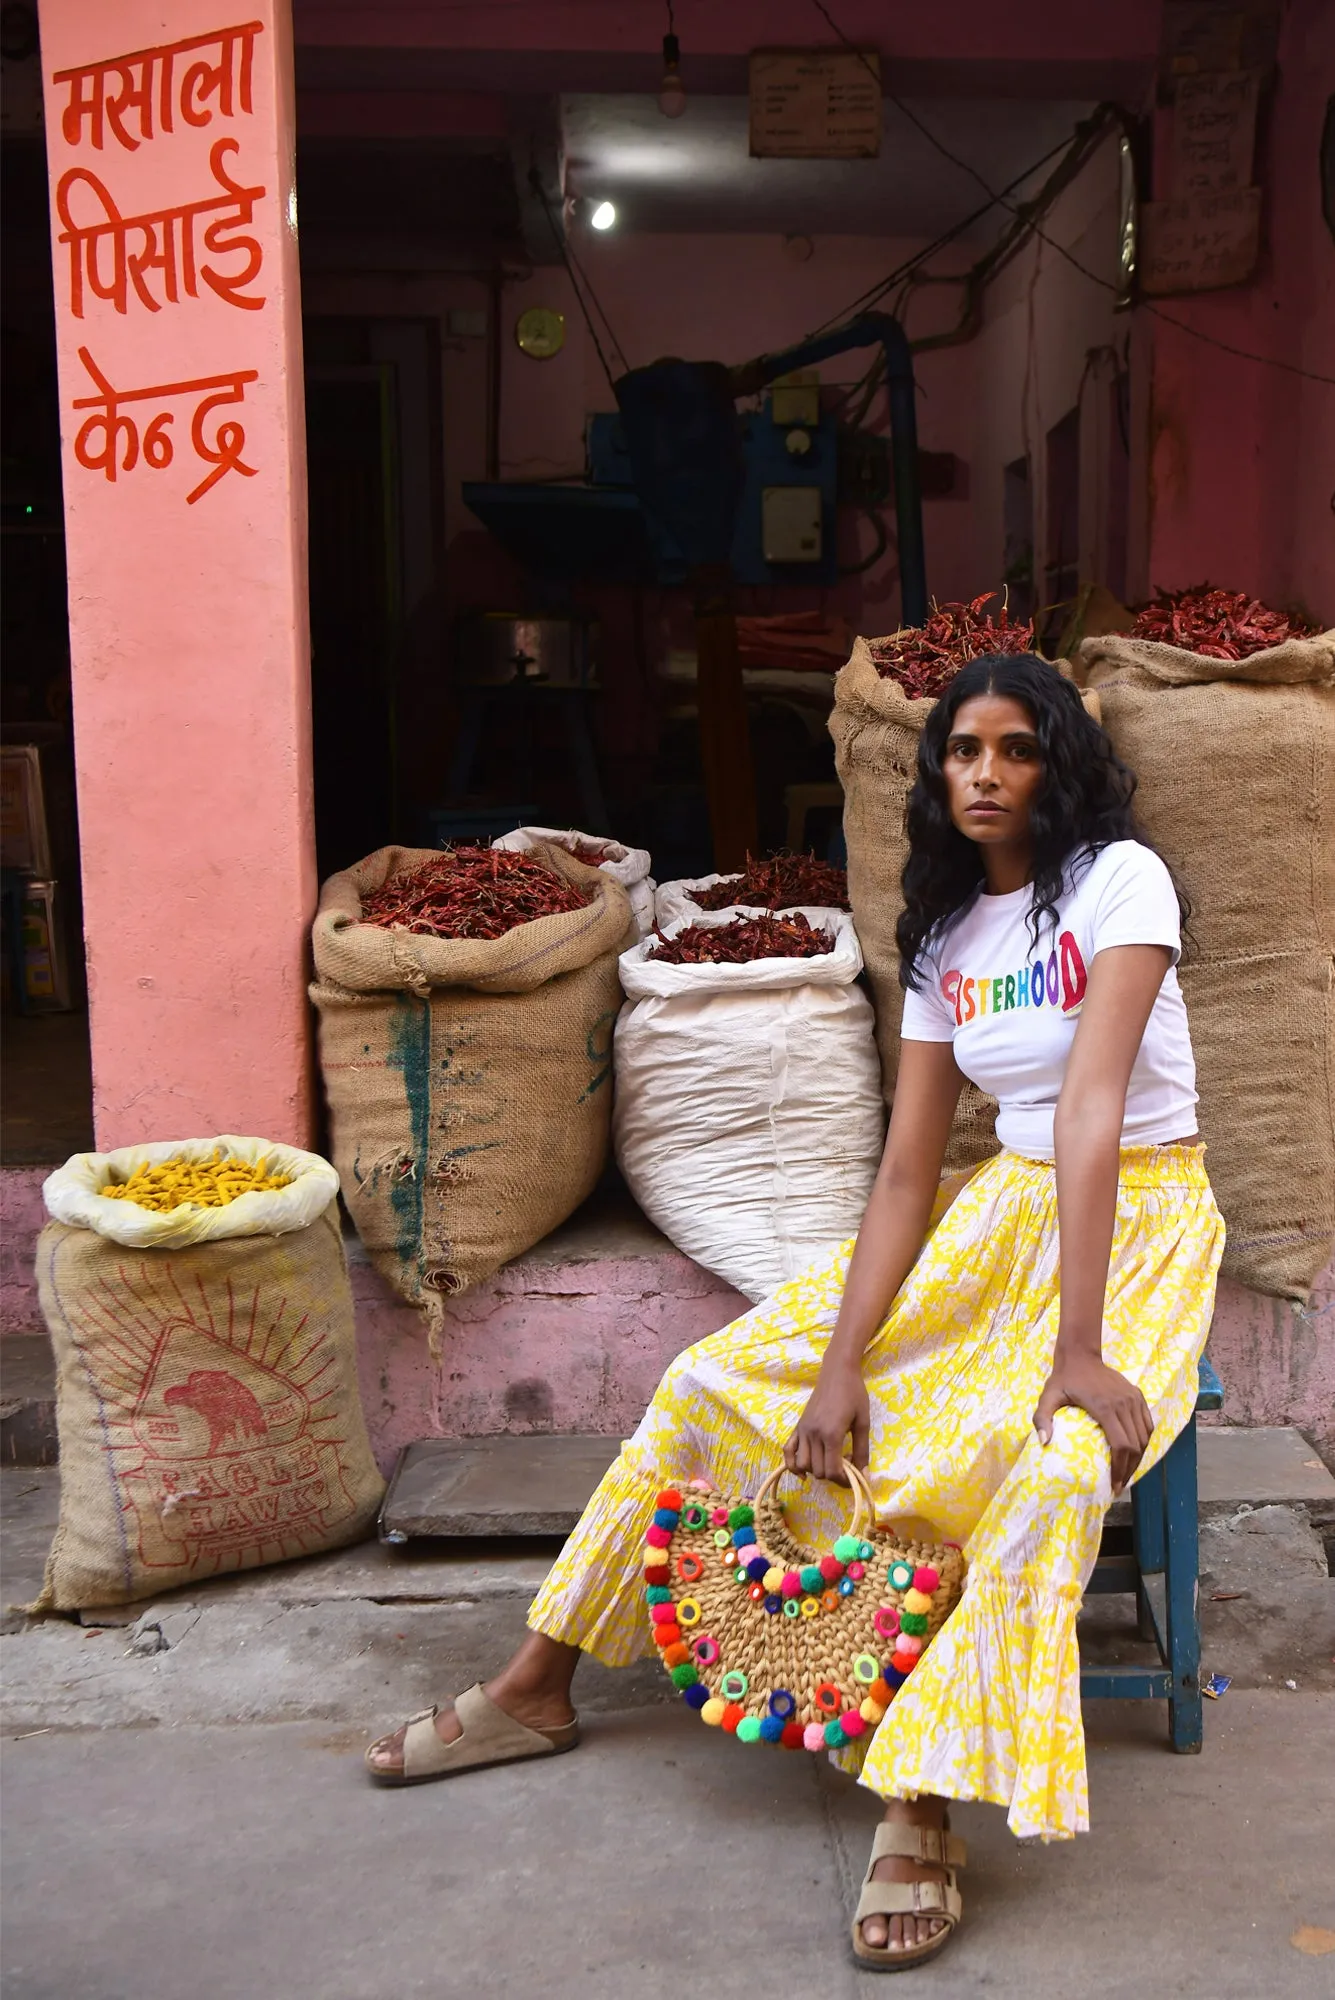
(488, 1736)
(910, 1899)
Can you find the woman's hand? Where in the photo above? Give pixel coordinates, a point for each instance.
(1083, 1382)
(839, 1404)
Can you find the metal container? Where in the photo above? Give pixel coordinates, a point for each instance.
(497, 648)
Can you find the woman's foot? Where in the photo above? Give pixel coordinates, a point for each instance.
(900, 1933)
(533, 1688)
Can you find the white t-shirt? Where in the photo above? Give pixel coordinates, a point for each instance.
(1011, 1009)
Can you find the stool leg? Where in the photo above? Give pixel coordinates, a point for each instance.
(1147, 1539)
(1181, 1588)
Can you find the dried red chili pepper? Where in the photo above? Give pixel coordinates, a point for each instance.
(470, 892)
(742, 940)
(1221, 624)
(782, 883)
(925, 659)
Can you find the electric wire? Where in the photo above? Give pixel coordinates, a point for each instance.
(1105, 284)
(567, 258)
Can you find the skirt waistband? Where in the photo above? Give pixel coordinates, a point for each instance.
(1138, 1166)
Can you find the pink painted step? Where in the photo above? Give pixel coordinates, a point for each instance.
(574, 1336)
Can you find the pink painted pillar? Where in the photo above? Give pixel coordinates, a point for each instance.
(170, 146)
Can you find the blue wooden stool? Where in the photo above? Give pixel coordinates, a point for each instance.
(1157, 1560)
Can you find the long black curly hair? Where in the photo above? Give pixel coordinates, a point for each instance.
(1083, 804)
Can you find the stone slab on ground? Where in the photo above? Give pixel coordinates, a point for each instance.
(27, 1400)
(539, 1484)
(495, 1485)
(225, 1863)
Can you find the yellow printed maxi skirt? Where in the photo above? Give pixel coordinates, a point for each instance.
(992, 1711)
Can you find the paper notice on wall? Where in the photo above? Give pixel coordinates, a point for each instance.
(815, 104)
(1203, 37)
(1214, 133)
(1200, 244)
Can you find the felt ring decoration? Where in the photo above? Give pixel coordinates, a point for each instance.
(734, 1686)
(705, 1650)
(900, 1576)
(688, 1611)
(810, 1607)
(693, 1516)
(828, 1698)
(782, 1704)
(886, 1621)
(866, 1669)
(690, 1568)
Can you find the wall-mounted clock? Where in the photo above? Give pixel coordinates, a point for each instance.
(541, 332)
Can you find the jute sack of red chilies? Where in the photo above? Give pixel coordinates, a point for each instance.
(876, 728)
(469, 1081)
(1236, 762)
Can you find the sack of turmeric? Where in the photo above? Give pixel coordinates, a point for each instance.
(198, 1302)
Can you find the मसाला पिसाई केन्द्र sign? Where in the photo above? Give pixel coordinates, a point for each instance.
(167, 243)
(155, 448)
(153, 258)
(184, 95)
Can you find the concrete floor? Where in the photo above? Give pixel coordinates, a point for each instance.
(185, 1816)
(229, 1863)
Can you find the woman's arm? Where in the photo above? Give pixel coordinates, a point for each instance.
(1123, 985)
(926, 1092)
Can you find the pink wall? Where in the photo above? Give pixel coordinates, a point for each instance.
(1242, 455)
(187, 586)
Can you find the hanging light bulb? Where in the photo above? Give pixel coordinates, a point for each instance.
(604, 215)
(671, 91)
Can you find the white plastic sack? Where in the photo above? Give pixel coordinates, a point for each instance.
(72, 1194)
(674, 902)
(627, 865)
(747, 1119)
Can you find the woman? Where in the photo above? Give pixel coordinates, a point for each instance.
(1004, 1364)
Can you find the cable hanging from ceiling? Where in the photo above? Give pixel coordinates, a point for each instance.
(1031, 227)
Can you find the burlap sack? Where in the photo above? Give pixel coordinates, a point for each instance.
(876, 727)
(206, 1393)
(469, 1083)
(1236, 762)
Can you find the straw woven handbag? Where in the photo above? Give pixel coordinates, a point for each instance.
(780, 1644)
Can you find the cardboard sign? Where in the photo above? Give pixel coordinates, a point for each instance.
(815, 104)
(1200, 244)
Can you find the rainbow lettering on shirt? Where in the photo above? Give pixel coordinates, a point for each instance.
(1058, 981)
